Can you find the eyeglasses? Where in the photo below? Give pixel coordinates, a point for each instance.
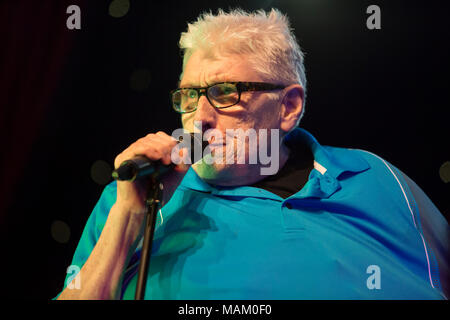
(220, 95)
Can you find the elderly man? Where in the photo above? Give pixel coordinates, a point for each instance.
(328, 223)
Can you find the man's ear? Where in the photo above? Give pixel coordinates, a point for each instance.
(291, 107)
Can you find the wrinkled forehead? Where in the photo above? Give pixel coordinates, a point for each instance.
(203, 69)
(209, 54)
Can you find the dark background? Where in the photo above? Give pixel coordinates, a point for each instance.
(71, 100)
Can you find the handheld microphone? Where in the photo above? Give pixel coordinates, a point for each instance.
(141, 166)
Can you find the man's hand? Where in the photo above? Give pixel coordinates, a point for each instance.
(131, 195)
(102, 274)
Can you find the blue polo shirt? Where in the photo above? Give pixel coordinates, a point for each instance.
(354, 231)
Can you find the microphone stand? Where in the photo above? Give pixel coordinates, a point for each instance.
(153, 203)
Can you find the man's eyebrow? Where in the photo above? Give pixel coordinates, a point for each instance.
(187, 85)
(191, 85)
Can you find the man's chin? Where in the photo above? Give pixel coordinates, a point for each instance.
(219, 174)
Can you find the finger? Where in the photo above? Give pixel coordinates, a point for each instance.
(164, 135)
(136, 149)
(166, 144)
(185, 164)
(152, 146)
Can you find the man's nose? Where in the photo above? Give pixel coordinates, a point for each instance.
(205, 113)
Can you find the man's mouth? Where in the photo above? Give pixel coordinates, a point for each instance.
(215, 146)
(213, 142)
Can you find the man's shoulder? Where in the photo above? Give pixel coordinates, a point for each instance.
(375, 162)
(338, 159)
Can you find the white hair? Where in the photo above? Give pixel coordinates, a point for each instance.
(266, 38)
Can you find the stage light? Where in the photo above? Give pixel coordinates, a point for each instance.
(101, 172)
(119, 8)
(444, 171)
(60, 231)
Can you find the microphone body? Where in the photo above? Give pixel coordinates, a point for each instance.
(141, 166)
(138, 167)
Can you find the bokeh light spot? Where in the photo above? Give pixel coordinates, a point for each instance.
(101, 172)
(60, 231)
(140, 80)
(119, 8)
(444, 171)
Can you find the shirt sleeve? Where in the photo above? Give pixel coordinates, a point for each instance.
(91, 232)
(435, 230)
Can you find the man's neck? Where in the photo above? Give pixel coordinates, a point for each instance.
(254, 175)
(283, 157)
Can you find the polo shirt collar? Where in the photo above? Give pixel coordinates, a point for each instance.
(329, 164)
(334, 161)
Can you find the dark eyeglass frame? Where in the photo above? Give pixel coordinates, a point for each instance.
(240, 86)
